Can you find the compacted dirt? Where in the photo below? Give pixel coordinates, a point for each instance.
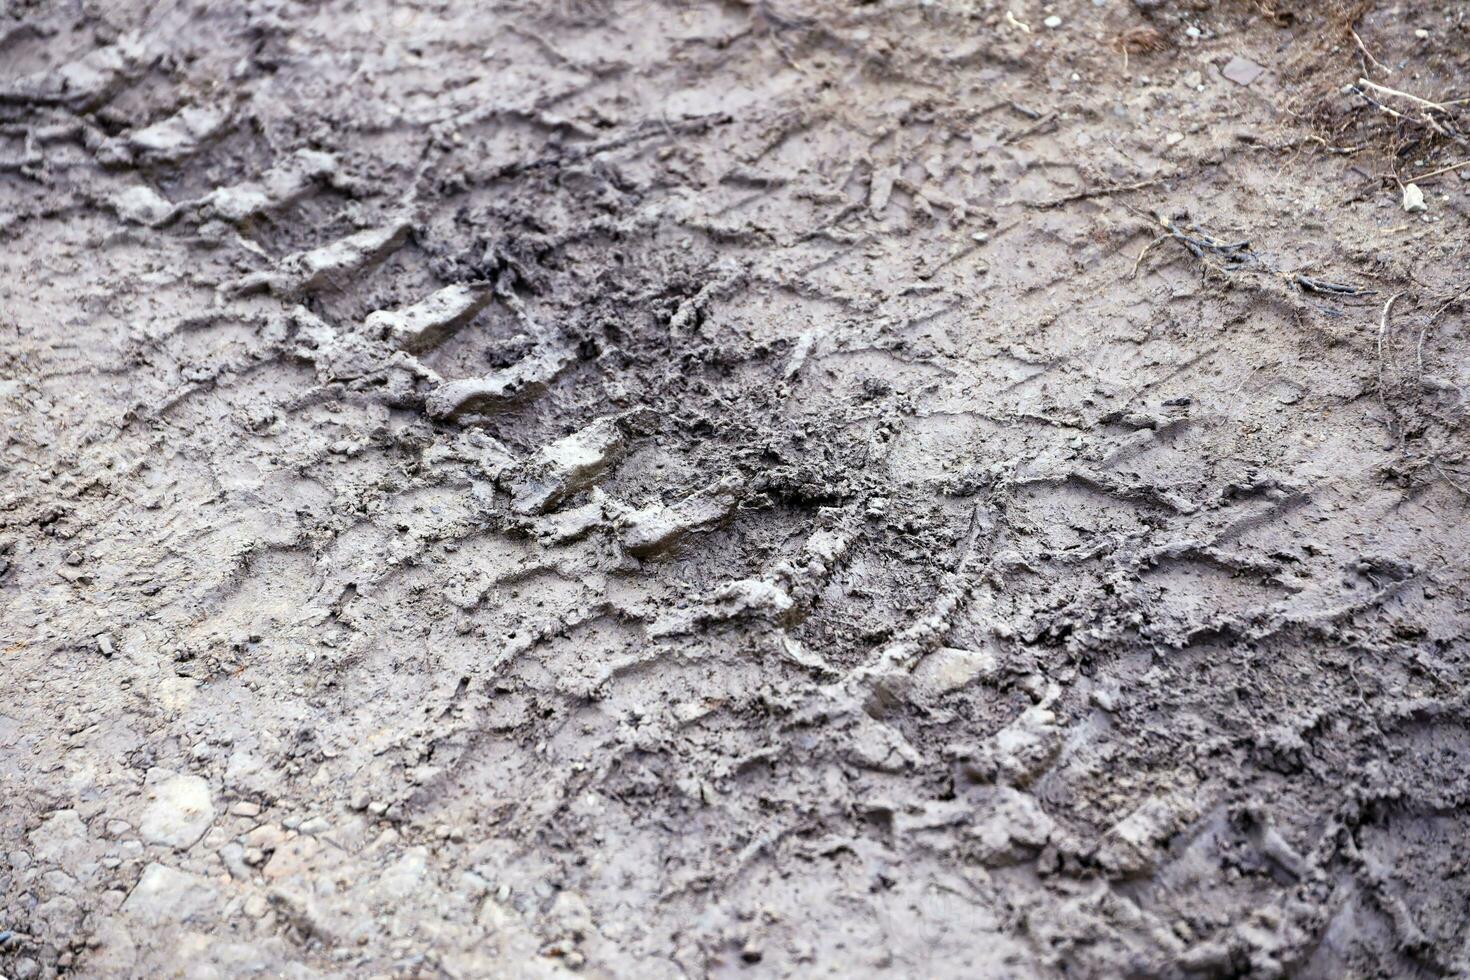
(703, 489)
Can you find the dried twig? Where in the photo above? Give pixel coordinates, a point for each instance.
(1146, 249)
(1385, 90)
(1103, 191)
(1446, 478)
(1382, 334)
(1435, 116)
(1441, 170)
(1368, 54)
(1226, 257)
(1424, 330)
(1044, 122)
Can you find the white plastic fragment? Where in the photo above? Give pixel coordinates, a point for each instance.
(880, 189)
(800, 351)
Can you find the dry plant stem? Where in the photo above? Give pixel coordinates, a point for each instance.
(1146, 249)
(1429, 322)
(1238, 257)
(1441, 170)
(1083, 195)
(1368, 54)
(1385, 90)
(1382, 334)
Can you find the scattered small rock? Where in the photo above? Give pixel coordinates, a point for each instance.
(232, 856)
(316, 825)
(1022, 750)
(179, 813)
(1133, 844)
(1414, 199)
(292, 858)
(1242, 71)
(165, 894)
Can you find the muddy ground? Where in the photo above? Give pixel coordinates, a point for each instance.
(941, 489)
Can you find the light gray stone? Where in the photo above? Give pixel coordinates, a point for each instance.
(166, 894)
(180, 810)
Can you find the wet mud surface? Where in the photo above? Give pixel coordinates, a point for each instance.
(733, 489)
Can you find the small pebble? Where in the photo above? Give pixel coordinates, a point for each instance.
(1053, 22)
(1242, 71)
